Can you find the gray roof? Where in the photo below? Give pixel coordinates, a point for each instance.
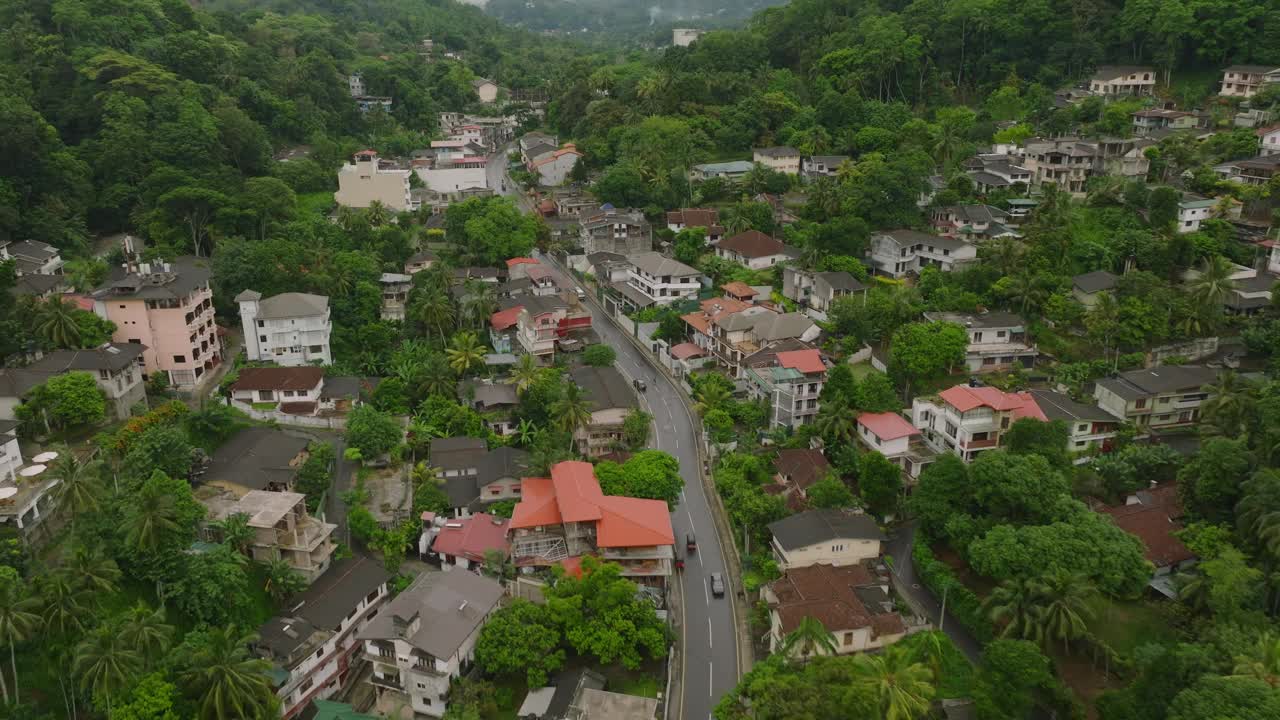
(596, 258)
(16, 382)
(488, 395)
(976, 213)
(906, 236)
(292, 305)
(829, 160)
(539, 304)
(988, 320)
(456, 453)
(1110, 72)
(815, 526)
(1136, 384)
(769, 325)
(256, 457)
(604, 386)
(733, 166)
(184, 276)
(32, 250)
(1057, 406)
(348, 387)
(1095, 281)
(450, 606)
(778, 151)
(660, 265)
(502, 462)
(638, 298)
(30, 284)
(325, 604)
(248, 296)
(8, 427)
(108, 356)
(840, 280)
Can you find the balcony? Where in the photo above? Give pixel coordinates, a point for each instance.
(979, 444)
(391, 682)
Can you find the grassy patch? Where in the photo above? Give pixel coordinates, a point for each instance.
(316, 203)
(956, 672)
(1124, 625)
(862, 370)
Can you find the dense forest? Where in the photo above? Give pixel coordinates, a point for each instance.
(624, 21)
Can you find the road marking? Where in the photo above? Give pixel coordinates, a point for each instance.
(677, 442)
(710, 677)
(710, 639)
(691, 525)
(682, 500)
(707, 594)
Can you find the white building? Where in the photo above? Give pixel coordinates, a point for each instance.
(1269, 140)
(553, 168)
(782, 159)
(966, 420)
(997, 340)
(662, 280)
(366, 180)
(32, 257)
(486, 90)
(684, 37)
(830, 537)
(289, 329)
(754, 250)
(1244, 81)
(729, 171)
(898, 253)
(1122, 80)
(1160, 397)
(421, 640)
(355, 85)
(10, 453)
(889, 434)
(1194, 210)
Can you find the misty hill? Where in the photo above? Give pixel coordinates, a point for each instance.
(636, 17)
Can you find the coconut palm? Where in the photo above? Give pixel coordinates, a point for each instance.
(480, 302)
(104, 663)
(524, 373)
(1015, 607)
(1064, 600)
(145, 631)
(435, 313)
(1213, 284)
(930, 649)
(93, 570)
(837, 423)
(19, 622)
(235, 531)
(1005, 254)
(710, 396)
(1026, 291)
(1258, 512)
(902, 687)
(810, 637)
(231, 682)
(949, 144)
(1262, 661)
(378, 213)
(65, 605)
(56, 322)
(465, 352)
(79, 483)
(282, 580)
(437, 377)
(154, 515)
(571, 410)
(1229, 405)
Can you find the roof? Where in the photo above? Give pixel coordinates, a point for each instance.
(828, 160)
(7, 427)
(279, 378)
(108, 356)
(1095, 281)
(887, 425)
(572, 494)
(266, 509)
(450, 606)
(512, 262)
(1153, 520)
(735, 166)
(595, 703)
(803, 466)
(805, 361)
(1136, 384)
(984, 321)
(331, 598)
(753, 244)
(778, 151)
(256, 457)
(604, 387)
(496, 464)
(184, 276)
(329, 710)
(694, 217)
(292, 305)
(660, 265)
(975, 213)
(739, 289)
(348, 387)
(1111, 72)
(488, 395)
(16, 382)
(829, 594)
(965, 398)
(1057, 406)
(504, 319)
(840, 280)
(472, 537)
(687, 350)
(1260, 69)
(815, 526)
(455, 453)
(905, 237)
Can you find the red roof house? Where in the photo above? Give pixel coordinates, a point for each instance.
(471, 537)
(803, 361)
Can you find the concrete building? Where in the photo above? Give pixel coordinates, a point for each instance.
(1268, 140)
(781, 159)
(1158, 122)
(294, 390)
(463, 543)
(1087, 288)
(755, 250)
(475, 476)
(898, 253)
(1193, 210)
(851, 602)
(833, 537)
(731, 171)
(997, 340)
(1091, 428)
(611, 399)
(368, 180)
(732, 330)
(27, 504)
(545, 322)
(658, 280)
(966, 420)
(553, 168)
(889, 434)
(10, 453)
(684, 37)
(789, 377)
(822, 165)
(678, 220)
(168, 309)
(1158, 398)
(282, 528)
(819, 290)
(32, 257)
(117, 368)
(486, 90)
(289, 329)
(1123, 80)
(609, 229)
(1245, 81)
(395, 295)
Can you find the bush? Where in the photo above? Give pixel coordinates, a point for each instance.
(599, 355)
(961, 601)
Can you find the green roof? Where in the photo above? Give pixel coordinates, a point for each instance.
(1023, 201)
(328, 710)
(1194, 204)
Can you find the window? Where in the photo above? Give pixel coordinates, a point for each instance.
(262, 338)
(288, 393)
(264, 395)
(306, 685)
(848, 638)
(1080, 443)
(837, 548)
(1001, 333)
(179, 358)
(1140, 403)
(1082, 427)
(319, 653)
(135, 341)
(262, 323)
(977, 337)
(315, 348)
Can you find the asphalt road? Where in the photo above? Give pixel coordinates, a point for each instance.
(710, 639)
(899, 548)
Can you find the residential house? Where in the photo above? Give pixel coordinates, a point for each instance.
(687, 358)
(997, 340)
(779, 159)
(168, 309)
(1244, 81)
(1158, 398)
(544, 322)
(40, 287)
(32, 257)
(495, 401)
(835, 537)
(1252, 171)
(1158, 122)
(997, 173)
(578, 694)
(395, 295)
(256, 458)
(1154, 516)
(795, 471)
(1193, 210)
(282, 528)
(967, 420)
(535, 143)
(503, 327)
(542, 280)
(1087, 288)
(684, 37)
(701, 322)
(342, 393)
(822, 165)
(740, 291)
(608, 267)
(288, 329)
(27, 504)
(1069, 162)
(463, 543)
(654, 279)
(419, 261)
(368, 179)
(475, 476)
(293, 390)
(567, 516)
(853, 605)
(1091, 428)
(789, 380)
(575, 204)
(425, 637)
(117, 368)
(1123, 80)
(609, 229)
(312, 645)
(553, 168)
(889, 434)
(678, 220)
(972, 222)
(732, 171)
(755, 250)
(736, 335)
(486, 90)
(819, 290)
(898, 253)
(611, 399)
(10, 453)
(1268, 140)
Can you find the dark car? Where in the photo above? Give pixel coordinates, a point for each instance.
(639, 385)
(717, 585)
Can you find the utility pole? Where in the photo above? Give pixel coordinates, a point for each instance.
(942, 618)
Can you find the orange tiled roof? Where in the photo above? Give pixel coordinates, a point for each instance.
(965, 398)
(572, 494)
(805, 361)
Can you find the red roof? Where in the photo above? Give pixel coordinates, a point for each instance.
(752, 244)
(805, 361)
(504, 319)
(687, 350)
(572, 494)
(1263, 131)
(737, 288)
(572, 566)
(965, 398)
(472, 537)
(577, 491)
(521, 261)
(887, 425)
(278, 378)
(537, 506)
(634, 522)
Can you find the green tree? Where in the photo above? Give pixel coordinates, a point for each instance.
(810, 637)
(145, 632)
(214, 587)
(602, 617)
(521, 638)
(1226, 697)
(465, 352)
(902, 687)
(1049, 440)
(19, 621)
(56, 323)
(1065, 599)
(635, 429)
(65, 401)
(829, 492)
(152, 698)
(228, 680)
(599, 355)
(879, 481)
(571, 411)
(1012, 671)
(651, 474)
(79, 487)
(1015, 607)
(1261, 661)
(104, 663)
(282, 581)
(924, 351)
(372, 431)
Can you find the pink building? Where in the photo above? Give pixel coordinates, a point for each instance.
(168, 307)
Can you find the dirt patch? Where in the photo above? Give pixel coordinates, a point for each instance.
(1085, 680)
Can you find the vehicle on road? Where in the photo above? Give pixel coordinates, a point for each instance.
(717, 585)
(638, 385)
(582, 295)
(690, 545)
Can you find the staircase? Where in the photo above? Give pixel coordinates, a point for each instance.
(548, 548)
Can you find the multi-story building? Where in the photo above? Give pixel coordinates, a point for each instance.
(889, 434)
(368, 180)
(553, 168)
(1091, 428)
(294, 390)
(282, 528)
(27, 504)
(117, 368)
(790, 380)
(609, 229)
(256, 458)
(425, 637)
(32, 257)
(655, 279)
(898, 253)
(1244, 81)
(1268, 140)
(1157, 122)
(1157, 398)
(781, 159)
(486, 90)
(567, 516)
(289, 329)
(395, 294)
(678, 220)
(168, 309)
(997, 340)
(972, 222)
(313, 645)
(1069, 162)
(463, 543)
(1253, 171)
(755, 250)
(10, 453)
(612, 400)
(732, 330)
(1123, 80)
(475, 476)
(834, 537)
(997, 172)
(684, 37)
(822, 165)
(818, 290)
(1193, 210)
(851, 602)
(967, 420)
(544, 321)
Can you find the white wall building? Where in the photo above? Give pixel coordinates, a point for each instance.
(364, 181)
(901, 252)
(997, 340)
(684, 37)
(1193, 211)
(289, 329)
(1269, 140)
(10, 453)
(782, 159)
(662, 280)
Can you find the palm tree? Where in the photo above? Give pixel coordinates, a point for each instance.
(79, 483)
(480, 302)
(571, 411)
(92, 570)
(154, 516)
(282, 580)
(104, 663)
(1213, 284)
(1230, 404)
(1064, 599)
(1004, 253)
(1026, 291)
(378, 213)
(65, 605)
(434, 312)
(524, 373)
(930, 650)
(56, 322)
(437, 377)
(710, 396)
(948, 144)
(1103, 321)
(145, 632)
(810, 637)
(232, 683)
(1262, 661)
(837, 423)
(18, 624)
(236, 533)
(902, 687)
(1015, 606)
(465, 352)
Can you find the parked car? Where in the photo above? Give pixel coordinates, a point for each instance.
(717, 585)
